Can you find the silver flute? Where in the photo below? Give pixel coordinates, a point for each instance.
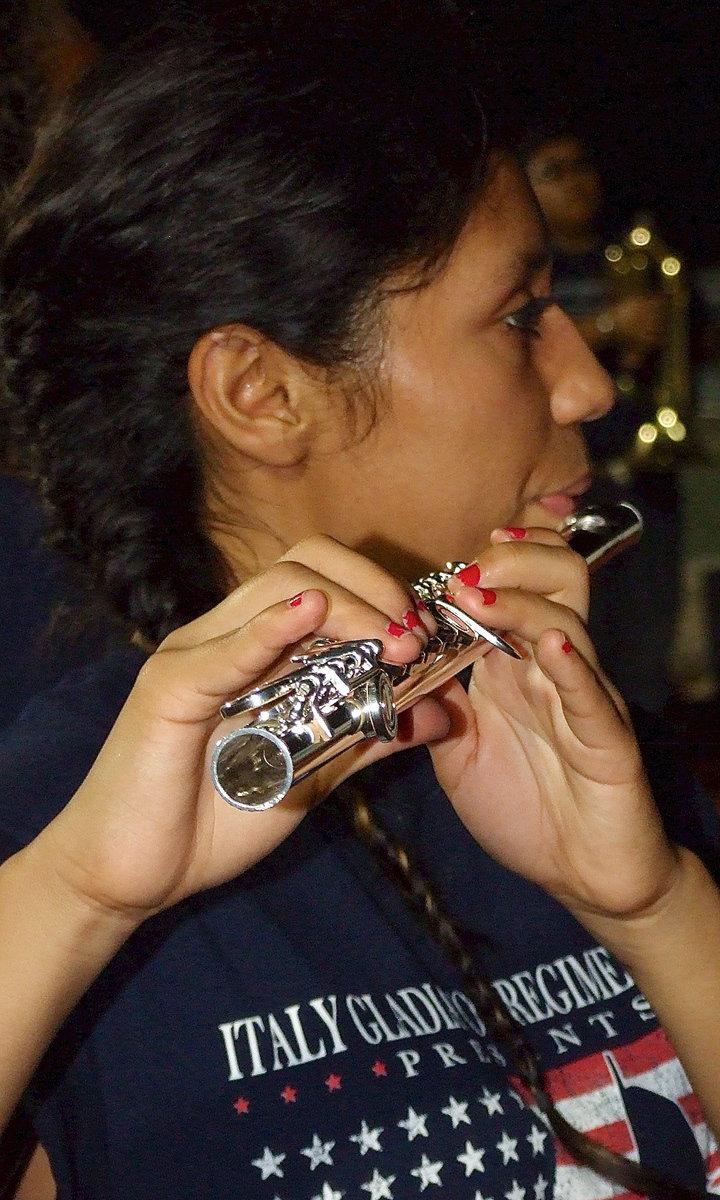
(342, 692)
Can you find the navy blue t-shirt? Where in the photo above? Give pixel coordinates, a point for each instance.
(296, 1035)
(46, 627)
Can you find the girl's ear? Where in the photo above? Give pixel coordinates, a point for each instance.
(260, 399)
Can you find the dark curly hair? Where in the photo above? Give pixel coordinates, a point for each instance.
(223, 178)
(20, 91)
(274, 168)
(21, 97)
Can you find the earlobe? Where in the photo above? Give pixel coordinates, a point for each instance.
(246, 388)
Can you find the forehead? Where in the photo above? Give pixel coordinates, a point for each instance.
(499, 253)
(504, 240)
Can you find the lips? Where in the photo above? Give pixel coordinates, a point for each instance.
(560, 504)
(563, 503)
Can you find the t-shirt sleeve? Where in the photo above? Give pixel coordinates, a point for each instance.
(49, 749)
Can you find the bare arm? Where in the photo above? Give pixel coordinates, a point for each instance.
(43, 928)
(573, 809)
(146, 828)
(673, 953)
(37, 1182)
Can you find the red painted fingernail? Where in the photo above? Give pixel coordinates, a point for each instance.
(567, 646)
(470, 575)
(488, 595)
(449, 597)
(293, 603)
(515, 531)
(395, 629)
(422, 606)
(411, 620)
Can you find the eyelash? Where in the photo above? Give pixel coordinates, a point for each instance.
(527, 318)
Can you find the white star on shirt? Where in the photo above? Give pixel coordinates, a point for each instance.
(318, 1153)
(456, 1110)
(508, 1148)
(329, 1193)
(516, 1192)
(428, 1172)
(415, 1124)
(540, 1188)
(479, 1196)
(491, 1102)
(472, 1158)
(536, 1138)
(269, 1164)
(379, 1187)
(367, 1139)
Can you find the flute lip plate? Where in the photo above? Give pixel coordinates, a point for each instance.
(461, 618)
(600, 531)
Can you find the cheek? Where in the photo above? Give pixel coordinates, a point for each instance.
(501, 403)
(504, 440)
(477, 397)
(481, 454)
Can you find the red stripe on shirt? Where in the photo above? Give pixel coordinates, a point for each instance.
(615, 1137)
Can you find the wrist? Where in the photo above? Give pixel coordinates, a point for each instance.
(667, 922)
(81, 922)
(52, 948)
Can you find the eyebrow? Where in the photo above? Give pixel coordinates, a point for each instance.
(527, 264)
(522, 269)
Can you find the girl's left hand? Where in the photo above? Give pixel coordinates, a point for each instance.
(541, 762)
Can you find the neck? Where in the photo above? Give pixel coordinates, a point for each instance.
(247, 543)
(254, 514)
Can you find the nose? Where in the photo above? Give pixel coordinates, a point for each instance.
(579, 388)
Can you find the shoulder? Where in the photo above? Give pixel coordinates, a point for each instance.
(47, 751)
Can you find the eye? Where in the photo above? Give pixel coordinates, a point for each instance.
(527, 318)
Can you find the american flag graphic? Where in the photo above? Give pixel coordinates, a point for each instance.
(490, 1145)
(593, 1095)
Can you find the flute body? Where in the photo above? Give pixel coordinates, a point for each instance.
(341, 693)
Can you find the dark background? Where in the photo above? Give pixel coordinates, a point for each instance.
(644, 76)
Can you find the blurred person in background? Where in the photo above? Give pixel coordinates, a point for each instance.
(622, 306)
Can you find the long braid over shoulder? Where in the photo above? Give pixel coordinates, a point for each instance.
(276, 170)
(407, 876)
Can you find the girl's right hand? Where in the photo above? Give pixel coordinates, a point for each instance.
(147, 828)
